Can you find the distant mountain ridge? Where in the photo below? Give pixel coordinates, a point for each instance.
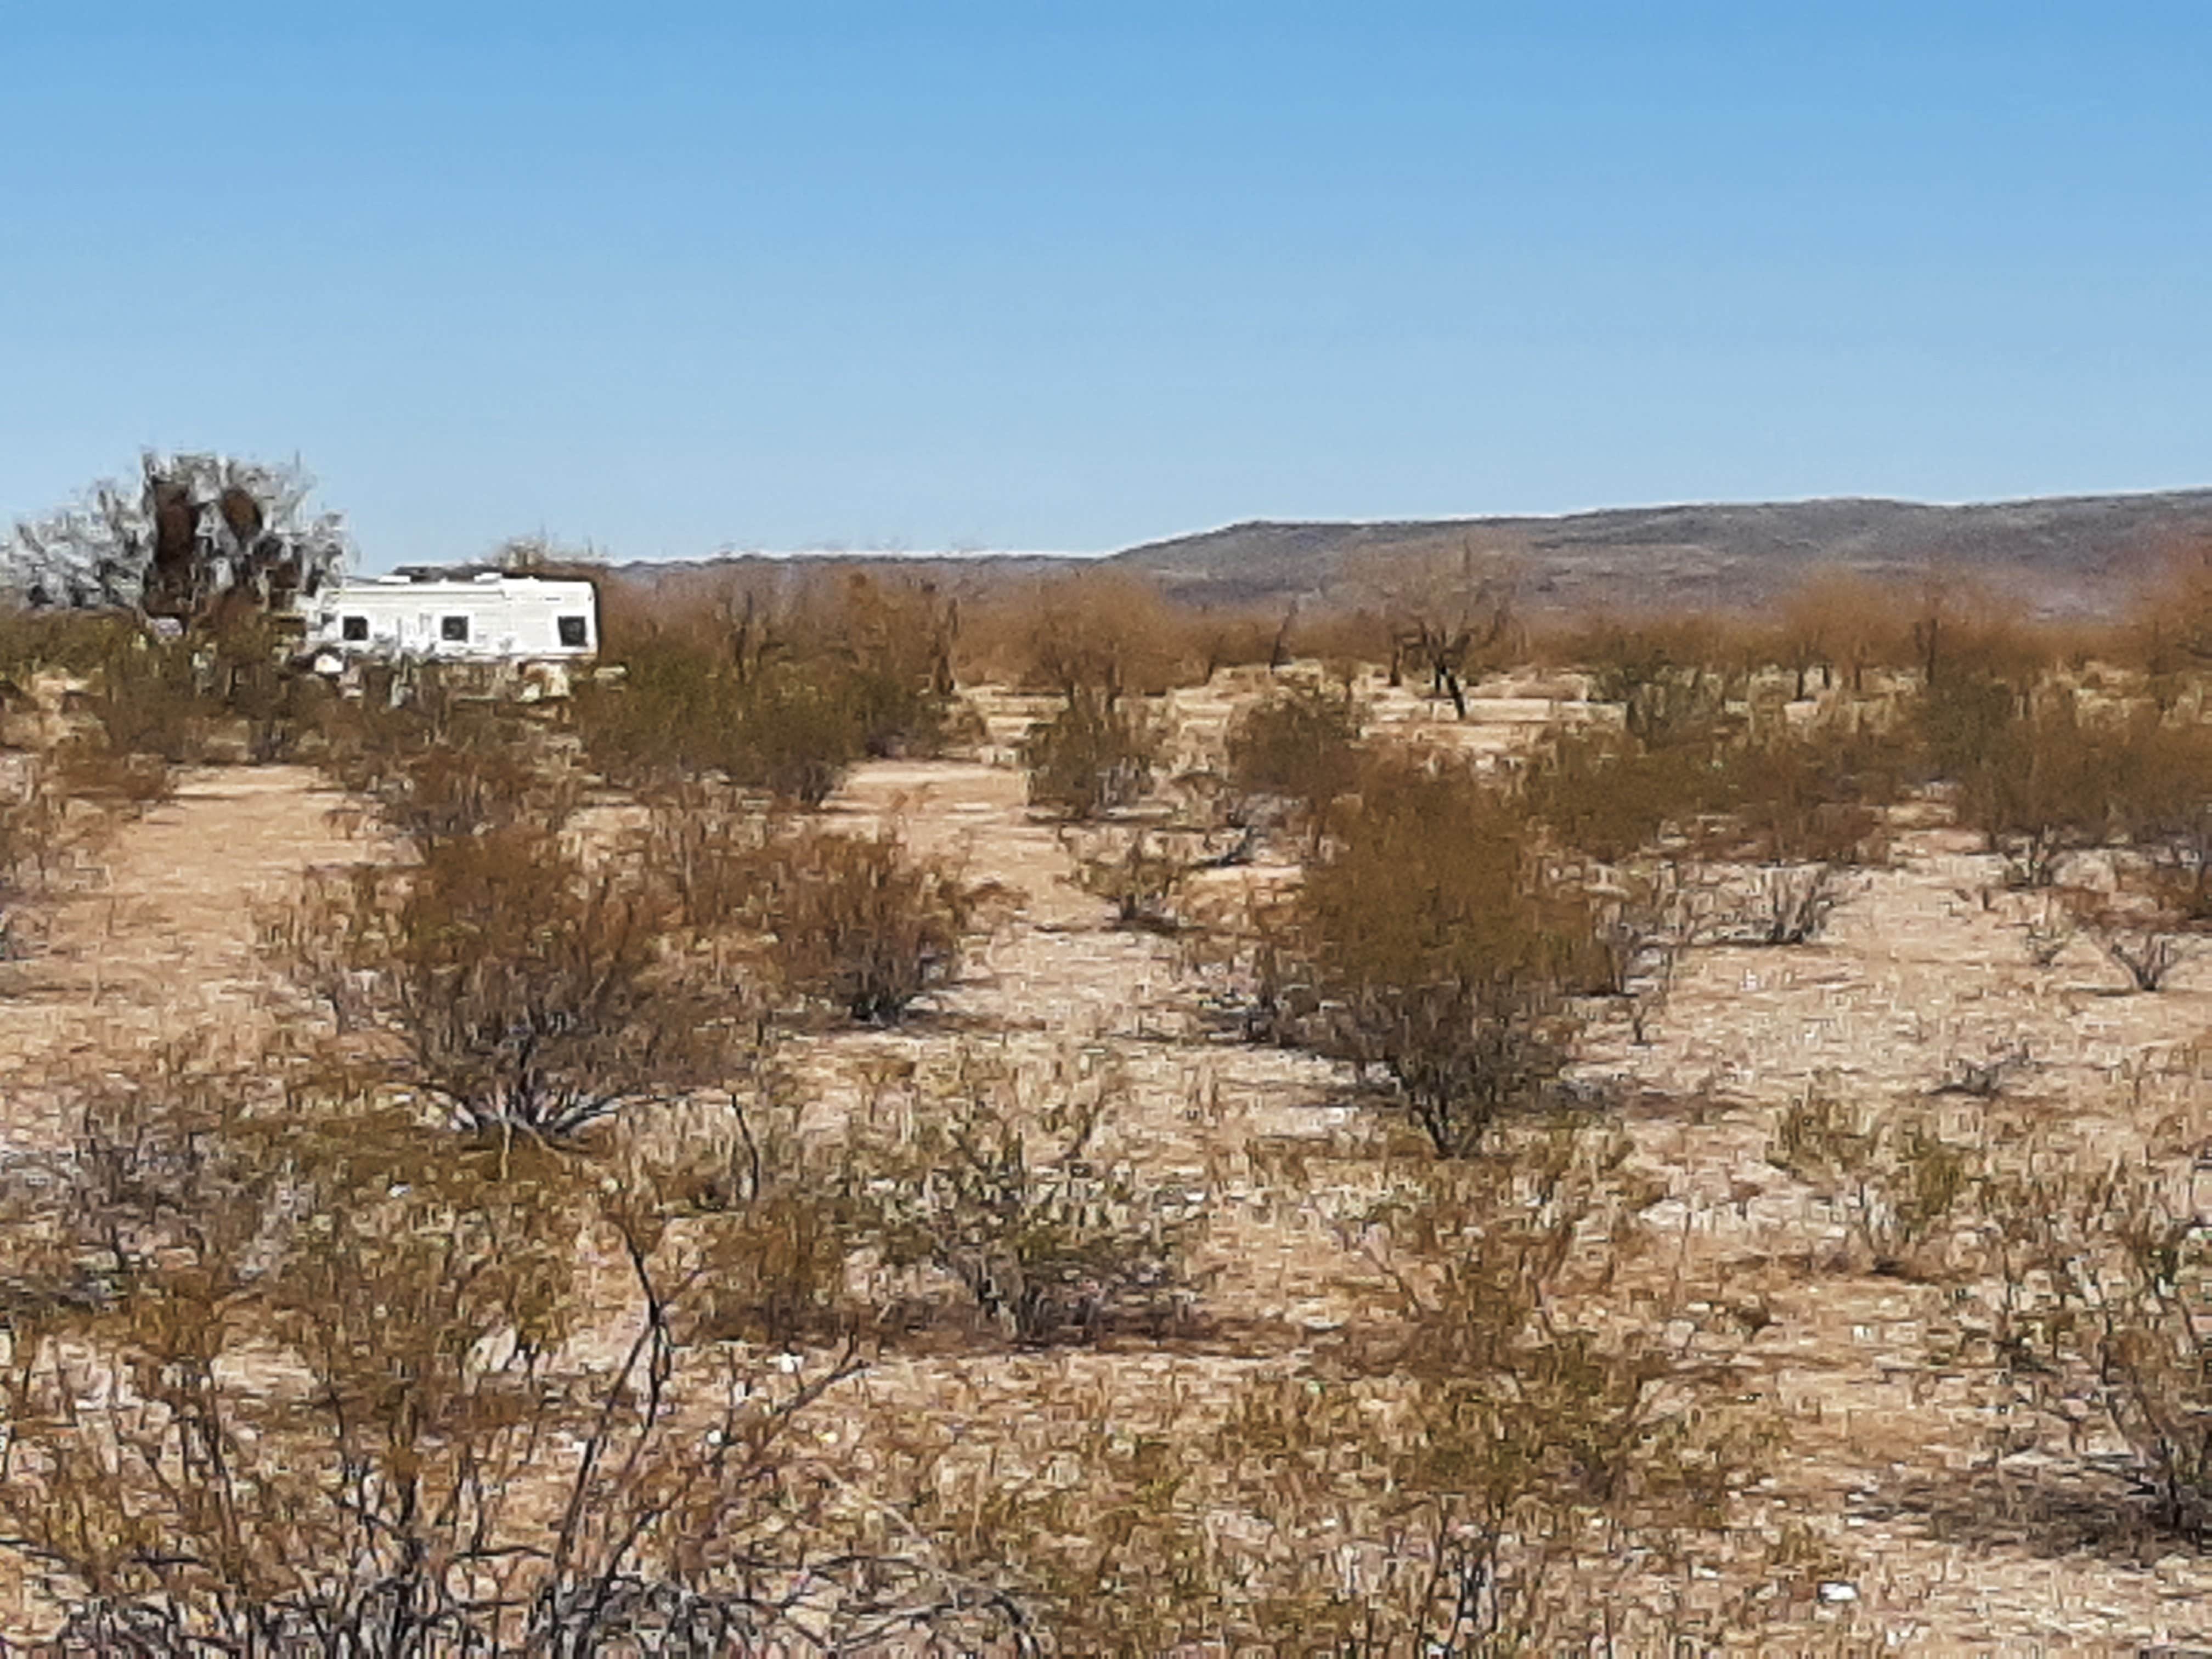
(2066, 555)
(2077, 554)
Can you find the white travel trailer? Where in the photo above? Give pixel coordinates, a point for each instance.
(489, 618)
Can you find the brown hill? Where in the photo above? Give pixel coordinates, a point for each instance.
(2066, 555)
(2079, 554)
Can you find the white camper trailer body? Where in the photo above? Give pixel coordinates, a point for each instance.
(491, 618)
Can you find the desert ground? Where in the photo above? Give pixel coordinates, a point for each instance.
(1885, 1448)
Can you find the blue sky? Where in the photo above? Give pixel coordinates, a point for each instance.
(668, 278)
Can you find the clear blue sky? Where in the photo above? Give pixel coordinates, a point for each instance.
(671, 277)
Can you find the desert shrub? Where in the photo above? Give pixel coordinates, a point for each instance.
(1469, 1469)
(682, 712)
(892, 642)
(229, 688)
(1786, 904)
(1810, 795)
(1434, 941)
(55, 810)
(433, 1475)
(1094, 756)
(2162, 805)
(1604, 797)
(515, 987)
(1135, 872)
(2102, 1305)
(1001, 1185)
(435, 765)
(860, 923)
(703, 844)
(2144, 926)
(2034, 777)
(1101, 633)
(1843, 623)
(1898, 1189)
(1302, 747)
(778, 696)
(1669, 674)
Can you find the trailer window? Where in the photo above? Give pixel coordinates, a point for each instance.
(455, 629)
(353, 628)
(572, 630)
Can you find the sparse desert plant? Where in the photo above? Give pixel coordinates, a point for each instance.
(1790, 904)
(1896, 1187)
(1002, 1187)
(1302, 747)
(1092, 758)
(520, 990)
(1135, 872)
(2046, 933)
(2142, 926)
(1436, 942)
(2104, 1304)
(1643, 919)
(860, 922)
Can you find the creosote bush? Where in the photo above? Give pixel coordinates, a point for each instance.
(777, 694)
(1471, 1469)
(1300, 747)
(860, 923)
(1433, 941)
(434, 761)
(1001, 1185)
(323, 1398)
(1898, 1187)
(519, 987)
(2104, 1303)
